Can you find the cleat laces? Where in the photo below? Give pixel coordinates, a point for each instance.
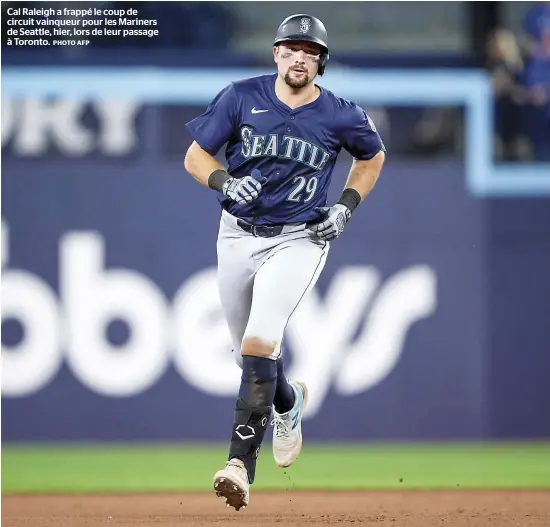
(282, 429)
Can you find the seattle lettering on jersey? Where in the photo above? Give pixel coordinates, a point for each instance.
(295, 149)
(288, 147)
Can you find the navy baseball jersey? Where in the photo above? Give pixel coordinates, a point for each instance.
(295, 149)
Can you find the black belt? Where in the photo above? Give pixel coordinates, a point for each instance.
(264, 231)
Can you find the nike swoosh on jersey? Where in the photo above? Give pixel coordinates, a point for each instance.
(258, 111)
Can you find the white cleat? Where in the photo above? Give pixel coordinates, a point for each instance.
(287, 428)
(232, 484)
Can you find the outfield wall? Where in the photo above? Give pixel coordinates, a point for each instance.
(430, 320)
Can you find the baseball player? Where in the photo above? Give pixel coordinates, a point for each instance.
(283, 135)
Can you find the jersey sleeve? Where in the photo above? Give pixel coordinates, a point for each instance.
(216, 125)
(361, 139)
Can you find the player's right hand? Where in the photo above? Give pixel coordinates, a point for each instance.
(244, 190)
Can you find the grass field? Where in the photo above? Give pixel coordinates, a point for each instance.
(125, 468)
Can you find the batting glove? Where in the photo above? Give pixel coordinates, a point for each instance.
(244, 190)
(333, 225)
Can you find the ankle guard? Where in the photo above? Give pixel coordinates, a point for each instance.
(248, 432)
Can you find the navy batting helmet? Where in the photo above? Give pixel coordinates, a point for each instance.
(306, 28)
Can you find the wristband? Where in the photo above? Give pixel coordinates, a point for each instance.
(217, 179)
(350, 198)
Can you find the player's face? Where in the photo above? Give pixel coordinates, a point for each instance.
(298, 62)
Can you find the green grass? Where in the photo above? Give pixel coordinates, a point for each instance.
(125, 468)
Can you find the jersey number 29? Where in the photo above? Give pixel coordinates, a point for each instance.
(310, 188)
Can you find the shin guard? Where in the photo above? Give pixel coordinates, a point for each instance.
(253, 410)
(248, 433)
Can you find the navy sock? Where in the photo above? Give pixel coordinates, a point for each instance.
(253, 410)
(258, 380)
(284, 394)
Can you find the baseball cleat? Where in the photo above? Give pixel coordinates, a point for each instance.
(232, 484)
(287, 429)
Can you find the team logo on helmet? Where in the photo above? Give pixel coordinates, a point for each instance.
(305, 24)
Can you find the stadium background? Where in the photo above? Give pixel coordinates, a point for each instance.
(429, 325)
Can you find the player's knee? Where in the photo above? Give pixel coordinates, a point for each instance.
(238, 359)
(256, 347)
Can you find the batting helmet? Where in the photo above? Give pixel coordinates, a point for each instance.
(306, 28)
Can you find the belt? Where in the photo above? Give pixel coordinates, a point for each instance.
(263, 231)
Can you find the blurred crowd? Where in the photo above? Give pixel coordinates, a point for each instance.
(520, 69)
(519, 64)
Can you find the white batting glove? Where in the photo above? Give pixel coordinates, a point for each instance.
(333, 225)
(244, 190)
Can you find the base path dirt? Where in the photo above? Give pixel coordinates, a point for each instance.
(414, 508)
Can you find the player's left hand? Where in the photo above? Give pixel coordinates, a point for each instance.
(333, 225)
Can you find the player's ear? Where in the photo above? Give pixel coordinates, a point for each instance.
(275, 53)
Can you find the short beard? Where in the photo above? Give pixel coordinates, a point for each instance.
(296, 83)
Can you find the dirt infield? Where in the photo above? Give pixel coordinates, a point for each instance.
(422, 509)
